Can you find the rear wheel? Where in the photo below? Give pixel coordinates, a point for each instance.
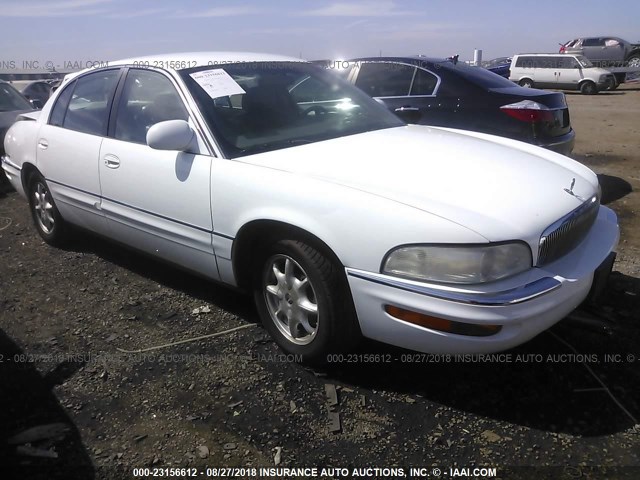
(526, 83)
(588, 88)
(304, 302)
(46, 216)
(634, 60)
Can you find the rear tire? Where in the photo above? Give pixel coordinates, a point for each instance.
(304, 302)
(526, 83)
(588, 88)
(46, 217)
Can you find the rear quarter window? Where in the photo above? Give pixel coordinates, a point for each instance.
(478, 76)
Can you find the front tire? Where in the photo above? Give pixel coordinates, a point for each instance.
(588, 88)
(46, 217)
(304, 302)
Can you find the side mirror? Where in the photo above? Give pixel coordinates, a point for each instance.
(35, 103)
(170, 135)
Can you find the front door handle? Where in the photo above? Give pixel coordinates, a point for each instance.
(111, 161)
(43, 144)
(407, 108)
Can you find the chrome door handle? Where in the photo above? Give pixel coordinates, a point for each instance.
(111, 161)
(43, 144)
(407, 109)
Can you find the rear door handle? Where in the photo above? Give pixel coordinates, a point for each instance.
(111, 161)
(407, 108)
(43, 144)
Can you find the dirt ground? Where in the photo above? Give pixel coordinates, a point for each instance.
(568, 401)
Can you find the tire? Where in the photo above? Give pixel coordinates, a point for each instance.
(304, 302)
(46, 217)
(633, 60)
(526, 83)
(588, 88)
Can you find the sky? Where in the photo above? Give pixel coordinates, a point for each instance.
(82, 31)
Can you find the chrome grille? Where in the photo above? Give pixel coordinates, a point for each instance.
(562, 236)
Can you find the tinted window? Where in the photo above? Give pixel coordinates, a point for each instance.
(60, 108)
(593, 42)
(11, 100)
(385, 79)
(423, 83)
(88, 110)
(479, 76)
(567, 62)
(148, 98)
(537, 62)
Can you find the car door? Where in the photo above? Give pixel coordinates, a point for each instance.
(546, 72)
(568, 73)
(594, 49)
(613, 52)
(68, 147)
(156, 200)
(391, 83)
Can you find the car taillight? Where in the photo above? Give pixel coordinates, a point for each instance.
(562, 49)
(528, 111)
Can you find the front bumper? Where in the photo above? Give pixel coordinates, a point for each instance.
(523, 306)
(13, 174)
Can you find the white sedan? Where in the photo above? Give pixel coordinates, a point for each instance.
(269, 174)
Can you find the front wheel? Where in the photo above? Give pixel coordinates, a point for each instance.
(526, 83)
(46, 216)
(588, 88)
(303, 300)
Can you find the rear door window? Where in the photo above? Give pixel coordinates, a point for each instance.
(89, 106)
(384, 79)
(424, 83)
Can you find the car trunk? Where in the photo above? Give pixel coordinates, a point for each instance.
(555, 122)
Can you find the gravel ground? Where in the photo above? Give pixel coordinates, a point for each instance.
(569, 399)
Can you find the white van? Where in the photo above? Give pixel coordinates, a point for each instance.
(561, 71)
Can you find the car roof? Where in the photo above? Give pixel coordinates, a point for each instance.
(547, 54)
(198, 59)
(409, 58)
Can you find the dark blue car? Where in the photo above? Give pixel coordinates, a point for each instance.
(448, 93)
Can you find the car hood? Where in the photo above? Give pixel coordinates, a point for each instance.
(500, 188)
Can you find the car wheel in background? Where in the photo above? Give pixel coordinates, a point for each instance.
(46, 216)
(526, 83)
(588, 88)
(303, 300)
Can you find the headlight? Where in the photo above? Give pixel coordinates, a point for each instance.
(458, 264)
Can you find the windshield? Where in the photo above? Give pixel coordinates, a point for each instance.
(11, 100)
(262, 106)
(584, 61)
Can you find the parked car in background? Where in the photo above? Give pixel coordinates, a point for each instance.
(39, 91)
(499, 66)
(340, 218)
(446, 93)
(559, 71)
(605, 52)
(12, 104)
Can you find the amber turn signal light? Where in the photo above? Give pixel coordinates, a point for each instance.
(441, 324)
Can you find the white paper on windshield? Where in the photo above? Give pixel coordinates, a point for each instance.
(217, 83)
